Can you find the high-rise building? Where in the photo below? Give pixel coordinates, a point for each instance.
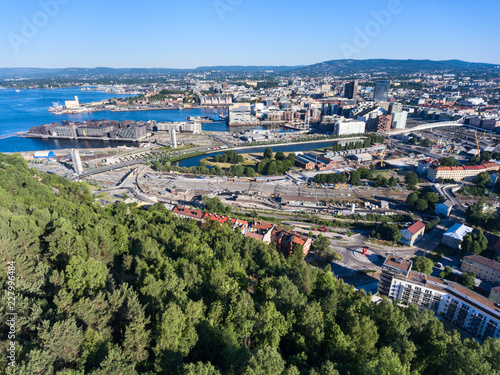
(351, 90)
(399, 120)
(349, 126)
(77, 162)
(381, 93)
(395, 107)
(173, 139)
(384, 123)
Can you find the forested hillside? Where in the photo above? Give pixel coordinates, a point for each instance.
(125, 290)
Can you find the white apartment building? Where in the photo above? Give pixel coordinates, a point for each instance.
(455, 303)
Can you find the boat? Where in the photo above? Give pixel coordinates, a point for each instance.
(202, 119)
(18, 90)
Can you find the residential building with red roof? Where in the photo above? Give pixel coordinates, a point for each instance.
(185, 212)
(285, 240)
(413, 233)
(435, 172)
(266, 232)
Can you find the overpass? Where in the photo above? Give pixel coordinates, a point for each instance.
(124, 163)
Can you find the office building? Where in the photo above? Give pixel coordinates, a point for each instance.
(395, 107)
(460, 306)
(77, 162)
(384, 123)
(399, 120)
(64, 131)
(241, 114)
(94, 131)
(191, 127)
(351, 90)
(167, 126)
(349, 126)
(381, 93)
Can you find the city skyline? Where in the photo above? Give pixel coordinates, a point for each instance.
(63, 33)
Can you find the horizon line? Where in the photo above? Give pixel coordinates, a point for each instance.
(242, 65)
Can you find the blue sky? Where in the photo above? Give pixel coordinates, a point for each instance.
(191, 33)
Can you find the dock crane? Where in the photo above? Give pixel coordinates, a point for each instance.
(477, 144)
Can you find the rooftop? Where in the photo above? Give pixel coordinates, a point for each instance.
(447, 203)
(464, 294)
(458, 231)
(482, 260)
(399, 263)
(188, 212)
(415, 227)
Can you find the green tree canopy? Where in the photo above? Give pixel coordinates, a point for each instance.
(422, 264)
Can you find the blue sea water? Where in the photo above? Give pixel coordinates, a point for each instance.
(22, 110)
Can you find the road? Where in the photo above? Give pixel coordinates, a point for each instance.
(128, 185)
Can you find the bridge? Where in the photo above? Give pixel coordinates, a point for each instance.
(431, 125)
(129, 161)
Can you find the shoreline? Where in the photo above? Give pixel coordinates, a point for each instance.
(71, 112)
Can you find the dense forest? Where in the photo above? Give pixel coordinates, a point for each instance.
(129, 290)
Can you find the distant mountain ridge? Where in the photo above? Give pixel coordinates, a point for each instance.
(345, 66)
(392, 66)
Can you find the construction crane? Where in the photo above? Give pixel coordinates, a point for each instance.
(477, 144)
(382, 159)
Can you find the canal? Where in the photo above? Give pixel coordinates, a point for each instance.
(292, 147)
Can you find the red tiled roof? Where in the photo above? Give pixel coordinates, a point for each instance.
(215, 217)
(254, 235)
(261, 225)
(239, 223)
(474, 167)
(491, 165)
(415, 227)
(188, 212)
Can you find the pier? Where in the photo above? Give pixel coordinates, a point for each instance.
(13, 135)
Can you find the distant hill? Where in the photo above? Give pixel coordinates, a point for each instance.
(241, 68)
(32, 72)
(332, 67)
(389, 66)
